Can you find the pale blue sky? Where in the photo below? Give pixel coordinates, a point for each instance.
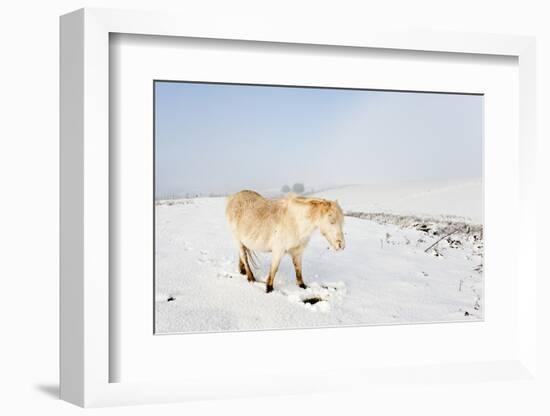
(223, 138)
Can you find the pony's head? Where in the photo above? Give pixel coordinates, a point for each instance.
(331, 220)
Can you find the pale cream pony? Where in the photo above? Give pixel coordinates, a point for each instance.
(281, 226)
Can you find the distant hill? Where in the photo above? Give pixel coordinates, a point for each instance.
(456, 198)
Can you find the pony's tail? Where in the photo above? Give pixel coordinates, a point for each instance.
(251, 257)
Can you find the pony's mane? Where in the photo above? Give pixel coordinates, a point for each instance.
(305, 200)
(316, 206)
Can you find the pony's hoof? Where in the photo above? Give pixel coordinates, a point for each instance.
(251, 280)
(268, 289)
(303, 286)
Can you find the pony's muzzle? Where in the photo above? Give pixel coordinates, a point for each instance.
(340, 245)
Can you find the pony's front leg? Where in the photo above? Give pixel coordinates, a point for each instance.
(297, 261)
(276, 257)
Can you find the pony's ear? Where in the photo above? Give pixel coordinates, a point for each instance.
(321, 206)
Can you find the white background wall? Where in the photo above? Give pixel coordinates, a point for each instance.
(29, 206)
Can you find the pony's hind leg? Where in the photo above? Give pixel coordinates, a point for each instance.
(244, 264)
(297, 261)
(242, 268)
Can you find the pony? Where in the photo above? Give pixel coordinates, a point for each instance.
(281, 226)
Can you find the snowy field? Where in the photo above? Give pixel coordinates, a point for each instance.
(384, 276)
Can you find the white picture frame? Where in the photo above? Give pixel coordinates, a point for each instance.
(85, 220)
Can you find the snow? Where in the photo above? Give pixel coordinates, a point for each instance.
(384, 276)
(461, 199)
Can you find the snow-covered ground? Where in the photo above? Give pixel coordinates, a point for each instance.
(459, 198)
(384, 276)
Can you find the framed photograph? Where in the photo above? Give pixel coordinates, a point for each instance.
(245, 213)
(261, 183)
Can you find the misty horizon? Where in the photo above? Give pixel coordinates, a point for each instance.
(221, 138)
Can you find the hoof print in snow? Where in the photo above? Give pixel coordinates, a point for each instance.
(171, 299)
(312, 301)
(466, 313)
